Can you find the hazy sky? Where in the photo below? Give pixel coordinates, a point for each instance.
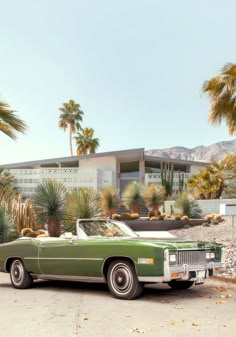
(135, 66)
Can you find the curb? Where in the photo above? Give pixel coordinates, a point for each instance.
(224, 279)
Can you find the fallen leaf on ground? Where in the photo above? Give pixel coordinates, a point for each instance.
(221, 302)
(137, 330)
(219, 289)
(177, 321)
(196, 326)
(164, 301)
(85, 318)
(226, 296)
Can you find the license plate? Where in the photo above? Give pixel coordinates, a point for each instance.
(201, 274)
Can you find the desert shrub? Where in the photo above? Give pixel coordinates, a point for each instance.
(25, 231)
(153, 218)
(208, 217)
(132, 196)
(8, 231)
(126, 216)
(161, 217)
(116, 216)
(187, 205)
(83, 204)
(153, 196)
(31, 234)
(135, 216)
(217, 217)
(177, 217)
(40, 232)
(167, 216)
(49, 203)
(184, 218)
(110, 200)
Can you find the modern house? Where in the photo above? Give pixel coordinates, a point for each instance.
(98, 170)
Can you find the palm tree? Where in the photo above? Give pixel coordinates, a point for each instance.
(10, 123)
(211, 182)
(71, 116)
(7, 189)
(6, 178)
(154, 196)
(110, 200)
(132, 196)
(86, 142)
(49, 203)
(222, 93)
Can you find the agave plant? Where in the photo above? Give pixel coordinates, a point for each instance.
(110, 200)
(132, 196)
(83, 204)
(154, 196)
(186, 204)
(49, 204)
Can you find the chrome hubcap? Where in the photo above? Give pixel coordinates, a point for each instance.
(121, 279)
(17, 272)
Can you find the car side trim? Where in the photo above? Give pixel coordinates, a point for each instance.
(65, 258)
(70, 278)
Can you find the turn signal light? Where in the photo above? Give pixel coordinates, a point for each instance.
(174, 275)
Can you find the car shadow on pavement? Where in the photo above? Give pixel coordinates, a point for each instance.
(152, 292)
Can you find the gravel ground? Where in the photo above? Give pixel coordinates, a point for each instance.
(224, 232)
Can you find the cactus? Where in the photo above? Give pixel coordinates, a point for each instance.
(167, 177)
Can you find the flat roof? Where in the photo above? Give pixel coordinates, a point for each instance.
(122, 155)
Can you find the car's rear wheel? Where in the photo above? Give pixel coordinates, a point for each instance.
(20, 278)
(180, 284)
(123, 281)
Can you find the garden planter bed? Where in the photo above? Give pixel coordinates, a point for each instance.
(161, 225)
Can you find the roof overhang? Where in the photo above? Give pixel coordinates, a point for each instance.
(122, 156)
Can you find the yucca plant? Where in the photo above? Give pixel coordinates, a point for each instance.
(132, 196)
(83, 204)
(186, 204)
(154, 196)
(49, 203)
(110, 200)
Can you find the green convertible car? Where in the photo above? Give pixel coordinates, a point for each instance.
(109, 251)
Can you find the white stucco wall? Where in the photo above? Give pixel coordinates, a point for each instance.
(207, 206)
(103, 163)
(194, 169)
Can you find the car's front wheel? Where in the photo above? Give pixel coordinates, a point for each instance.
(20, 278)
(180, 284)
(122, 280)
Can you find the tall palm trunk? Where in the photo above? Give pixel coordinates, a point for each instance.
(71, 148)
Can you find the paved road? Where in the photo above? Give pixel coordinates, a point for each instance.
(58, 309)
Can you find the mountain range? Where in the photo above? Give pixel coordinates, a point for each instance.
(215, 151)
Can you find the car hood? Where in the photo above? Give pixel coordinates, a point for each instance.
(176, 243)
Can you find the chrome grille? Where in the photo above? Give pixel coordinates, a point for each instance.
(191, 257)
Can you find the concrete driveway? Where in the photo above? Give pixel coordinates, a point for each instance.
(59, 309)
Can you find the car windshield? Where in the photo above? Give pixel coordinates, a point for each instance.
(106, 228)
